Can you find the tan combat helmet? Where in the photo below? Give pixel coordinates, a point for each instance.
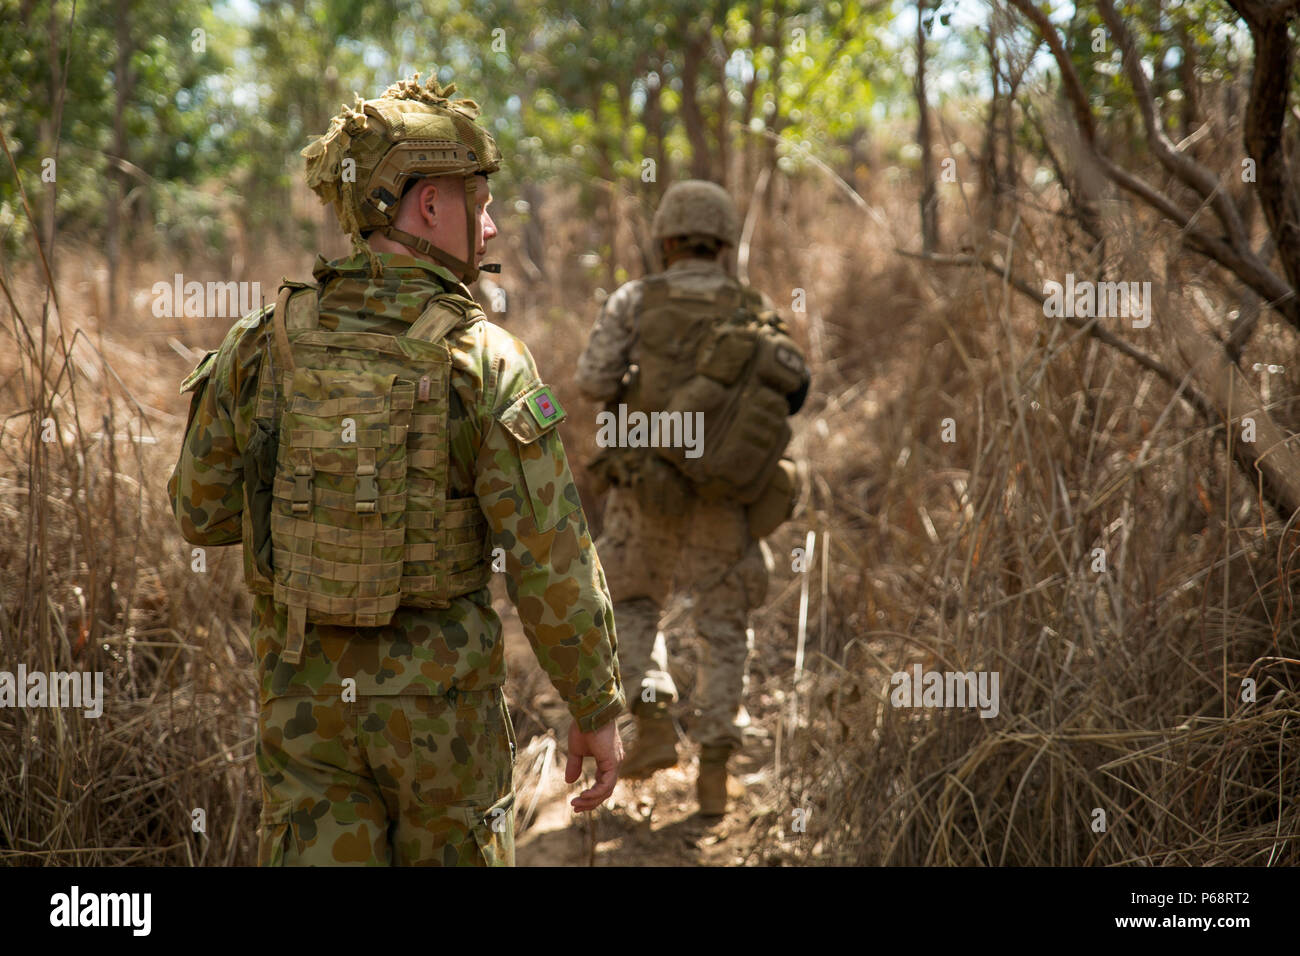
(362, 164)
(696, 207)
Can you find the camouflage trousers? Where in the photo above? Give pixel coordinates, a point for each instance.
(707, 550)
(406, 780)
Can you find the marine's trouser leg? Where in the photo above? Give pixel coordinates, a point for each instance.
(402, 780)
(729, 579)
(638, 553)
(724, 652)
(643, 655)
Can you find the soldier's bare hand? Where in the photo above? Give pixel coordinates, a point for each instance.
(607, 747)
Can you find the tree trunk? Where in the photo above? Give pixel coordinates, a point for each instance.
(1191, 108)
(701, 155)
(1265, 117)
(654, 125)
(775, 123)
(719, 45)
(50, 136)
(929, 193)
(1271, 461)
(117, 198)
(989, 186)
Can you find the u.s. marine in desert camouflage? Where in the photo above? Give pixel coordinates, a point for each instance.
(704, 546)
(410, 760)
(706, 549)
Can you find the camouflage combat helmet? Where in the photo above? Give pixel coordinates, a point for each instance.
(696, 207)
(411, 131)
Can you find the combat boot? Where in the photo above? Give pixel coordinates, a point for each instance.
(655, 747)
(711, 784)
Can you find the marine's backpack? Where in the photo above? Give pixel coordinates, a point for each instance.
(349, 507)
(723, 354)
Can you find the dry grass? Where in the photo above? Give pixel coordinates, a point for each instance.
(1119, 691)
(97, 579)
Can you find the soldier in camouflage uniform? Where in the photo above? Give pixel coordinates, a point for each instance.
(392, 744)
(709, 546)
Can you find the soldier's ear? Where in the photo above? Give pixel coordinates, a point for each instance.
(426, 200)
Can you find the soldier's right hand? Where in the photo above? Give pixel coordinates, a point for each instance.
(606, 746)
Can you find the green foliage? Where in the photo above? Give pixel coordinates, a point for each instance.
(1165, 34)
(589, 95)
(168, 113)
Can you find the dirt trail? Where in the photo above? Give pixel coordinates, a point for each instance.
(654, 822)
(647, 822)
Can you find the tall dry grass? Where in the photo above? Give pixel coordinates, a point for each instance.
(1122, 691)
(96, 579)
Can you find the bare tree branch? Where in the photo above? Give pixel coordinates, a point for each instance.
(1233, 253)
(1265, 116)
(1024, 288)
(1213, 385)
(1182, 165)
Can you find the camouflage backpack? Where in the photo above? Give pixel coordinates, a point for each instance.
(720, 353)
(348, 515)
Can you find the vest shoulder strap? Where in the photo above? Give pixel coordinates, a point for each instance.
(440, 316)
(295, 308)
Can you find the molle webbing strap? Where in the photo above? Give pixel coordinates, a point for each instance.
(281, 358)
(284, 527)
(349, 571)
(295, 634)
(281, 328)
(296, 631)
(367, 612)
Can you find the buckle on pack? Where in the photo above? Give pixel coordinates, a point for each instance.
(302, 488)
(367, 489)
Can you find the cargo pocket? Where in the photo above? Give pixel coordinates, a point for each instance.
(274, 833)
(493, 829)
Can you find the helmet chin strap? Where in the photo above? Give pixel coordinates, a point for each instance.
(458, 266)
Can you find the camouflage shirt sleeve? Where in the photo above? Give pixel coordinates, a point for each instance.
(207, 485)
(609, 348)
(553, 574)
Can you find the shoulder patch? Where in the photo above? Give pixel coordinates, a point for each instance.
(200, 373)
(533, 413)
(545, 408)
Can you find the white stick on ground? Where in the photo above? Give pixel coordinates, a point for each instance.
(809, 544)
(809, 550)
